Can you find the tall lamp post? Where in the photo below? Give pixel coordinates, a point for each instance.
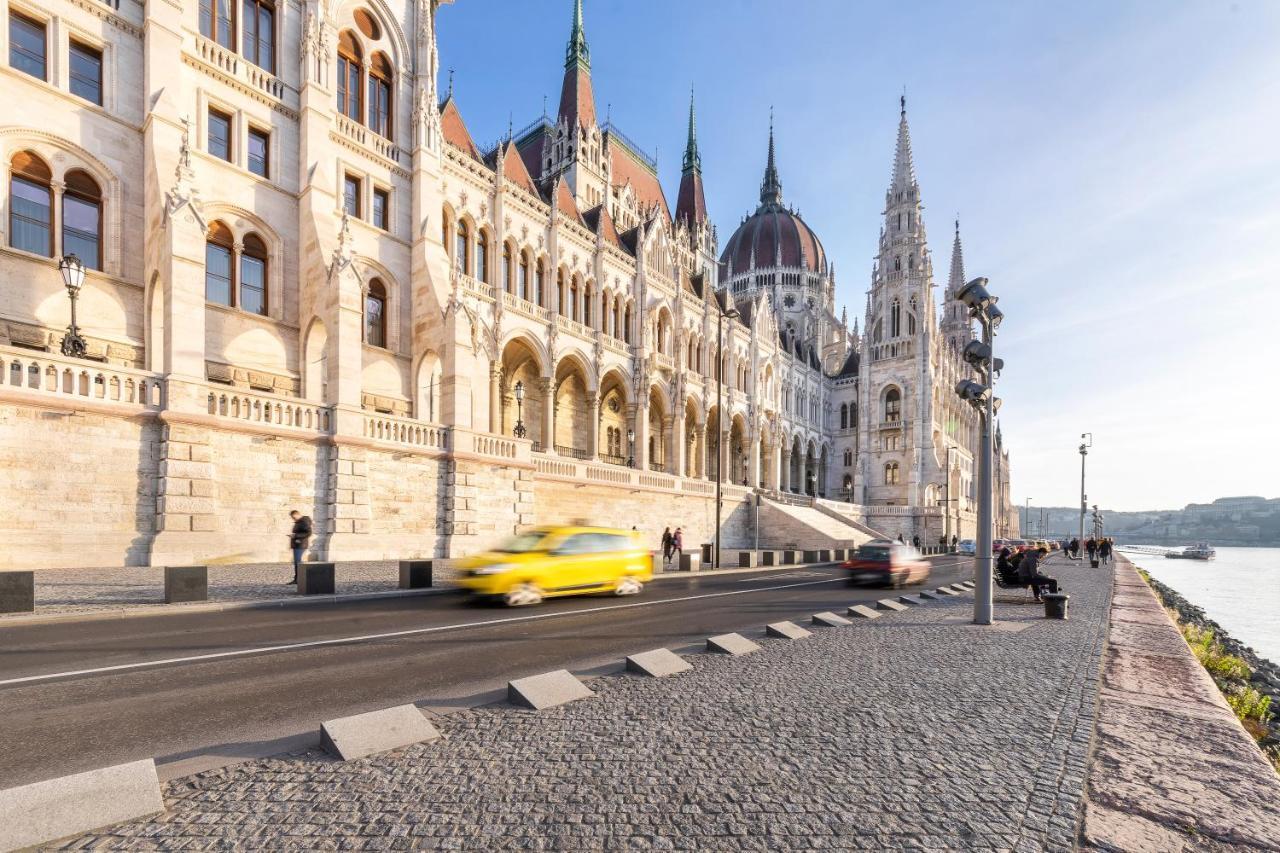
(631, 447)
(1085, 444)
(730, 313)
(980, 395)
(72, 269)
(1026, 519)
(946, 504)
(519, 431)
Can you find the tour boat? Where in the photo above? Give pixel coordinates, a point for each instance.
(1198, 551)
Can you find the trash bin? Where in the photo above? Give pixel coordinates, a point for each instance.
(1055, 605)
(1093, 563)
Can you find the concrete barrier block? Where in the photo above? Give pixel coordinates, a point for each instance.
(657, 663)
(316, 579)
(731, 644)
(707, 548)
(928, 596)
(838, 554)
(17, 592)
(690, 562)
(186, 583)
(827, 619)
(911, 600)
(416, 574)
(966, 584)
(862, 611)
(786, 631)
(824, 555)
(889, 604)
(748, 559)
(788, 557)
(355, 737)
(547, 690)
(946, 590)
(809, 556)
(46, 811)
(768, 558)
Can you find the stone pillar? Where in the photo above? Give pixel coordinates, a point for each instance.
(593, 431)
(495, 397)
(754, 474)
(348, 502)
(186, 512)
(548, 386)
(640, 419)
(784, 475)
(679, 446)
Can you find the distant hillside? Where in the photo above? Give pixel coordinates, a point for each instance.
(1226, 521)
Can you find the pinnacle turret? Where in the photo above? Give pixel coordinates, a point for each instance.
(904, 170)
(771, 186)
(577, 53)
(577, 100)
(692, 159)
(956, 281)
(691, 203)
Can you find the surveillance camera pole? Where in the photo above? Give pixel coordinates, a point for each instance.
(982, 594)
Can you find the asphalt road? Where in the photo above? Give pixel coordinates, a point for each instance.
(197, 690)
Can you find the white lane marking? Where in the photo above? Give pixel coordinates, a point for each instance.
(311, 644)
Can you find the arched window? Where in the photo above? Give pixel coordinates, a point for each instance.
(895, 319)
(891, 473)
(911, 324)
(217, 22)
(844, 416)
(463, 247)
(573, 299)
(560, 294)
(897, 263)
(219, 267)
(539, 278)
(893, 405)
(853, 415)
(506, 267)
(375, 314)
(260, 33)
(380, 95)
(588, 294)
(31, 205)
(350, 59)
(482, 256)
(522, 277)
(253, 276)
(626, 325)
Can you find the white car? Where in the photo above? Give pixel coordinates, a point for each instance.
(967, 546)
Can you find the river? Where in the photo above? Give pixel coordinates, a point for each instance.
(1240, 590)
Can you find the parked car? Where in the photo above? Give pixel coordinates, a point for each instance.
(967, 546)
(998, 545)
(881, 562)
(554, 561)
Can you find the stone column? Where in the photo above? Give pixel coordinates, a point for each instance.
(495, 397)
(548, 387)
(672, 445)
(679, 446)
(186, 512)
(753, 474)
(640, 421)
(784, 478)
(593, 422)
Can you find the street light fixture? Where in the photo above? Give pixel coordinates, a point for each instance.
(982, 307)
(1026, 519)
(729, 313)
(631, 447)
(1085, 444)
(72, 269)
(519, 431)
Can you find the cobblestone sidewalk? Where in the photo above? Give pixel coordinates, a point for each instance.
(914, 731)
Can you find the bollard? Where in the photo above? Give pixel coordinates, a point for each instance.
(415, 574)
(1093, 564)
(186, 583)
(1055, 605)
(809, 556)
(689, 562)
(788, 558)
(315, 579)
(706, 552)
(768, 558)
(747, 559)
(17, 592)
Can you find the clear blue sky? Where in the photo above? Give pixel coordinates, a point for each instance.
(1116, 168)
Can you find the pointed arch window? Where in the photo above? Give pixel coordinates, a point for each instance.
(260, 33)
(380, 78)
(482, 256)
(30, 204)
(893, 405)
(252, 296)
(462, 249)
(522, 277)
(350, 60)
(219, 265)
(895, 319)
(588, 295)
(375, 314)
(573, 300)
(853, 416)
(626, 325)
(844, 416)
(891, 473)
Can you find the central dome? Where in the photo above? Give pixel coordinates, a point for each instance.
(774, 235)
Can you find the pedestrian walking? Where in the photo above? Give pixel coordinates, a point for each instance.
(677, 545)
(1075, 549)
(298, 538)
(1091, 547)
(955, 540)
(1104, 551)
(666, 545)
(900, 539)
(915, 541)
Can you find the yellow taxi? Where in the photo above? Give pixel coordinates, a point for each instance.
(553, 561)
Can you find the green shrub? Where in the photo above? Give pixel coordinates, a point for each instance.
(1249, 704)
(1207, 649)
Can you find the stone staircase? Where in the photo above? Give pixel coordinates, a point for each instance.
(794, 525)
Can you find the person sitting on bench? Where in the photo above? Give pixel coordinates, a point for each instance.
(1005, 569)
(1029, 572)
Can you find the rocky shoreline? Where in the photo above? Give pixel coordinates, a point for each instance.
(1266, 675)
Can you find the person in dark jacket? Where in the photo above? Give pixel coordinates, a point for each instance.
(1075, 549)
(1029, 572)
(298, 539)
(677, 545)
(1104, 551)
(1091, 546)
(667, 540)
(915, 542)
(1004, 568)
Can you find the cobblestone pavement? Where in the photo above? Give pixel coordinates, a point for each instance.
(90, 590)
(914, 731)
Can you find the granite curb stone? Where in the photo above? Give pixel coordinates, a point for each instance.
(657, 663)
(786, 631)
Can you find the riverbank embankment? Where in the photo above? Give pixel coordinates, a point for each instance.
(1172, 769)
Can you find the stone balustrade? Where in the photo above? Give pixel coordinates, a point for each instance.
(233, 65)
(406, 431)
(367, 138)
(270, 409)
(53, 375)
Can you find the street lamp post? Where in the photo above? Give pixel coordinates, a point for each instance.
(519, 431)
(979, 354)
(72, 270)
(730, 313)
(946, 503)
(1085, 444)
(1026, 519)
(631, 447)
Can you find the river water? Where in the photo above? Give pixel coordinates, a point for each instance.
(1240, 590)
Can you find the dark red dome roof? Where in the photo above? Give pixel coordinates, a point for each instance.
(771, 232)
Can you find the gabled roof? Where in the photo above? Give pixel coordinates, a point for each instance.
(850, 366)
(514, 170)
(629, 169)
(600, 222)
(455, 130)
(564, 202)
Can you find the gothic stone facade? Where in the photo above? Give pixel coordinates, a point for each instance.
(309, 288)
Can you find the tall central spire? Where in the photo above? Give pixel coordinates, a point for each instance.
(771, 186)
(904, 171)
(577, 52)
(692, 160)
(956, 281)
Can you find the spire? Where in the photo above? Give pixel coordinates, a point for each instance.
(577, 53)
(904, 171)
(771, 187)
(957, 264)
(577, 102)
(692, 160)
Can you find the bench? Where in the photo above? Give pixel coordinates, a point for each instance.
(1003, 584)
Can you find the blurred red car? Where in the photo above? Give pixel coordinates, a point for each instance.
(881, 562)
